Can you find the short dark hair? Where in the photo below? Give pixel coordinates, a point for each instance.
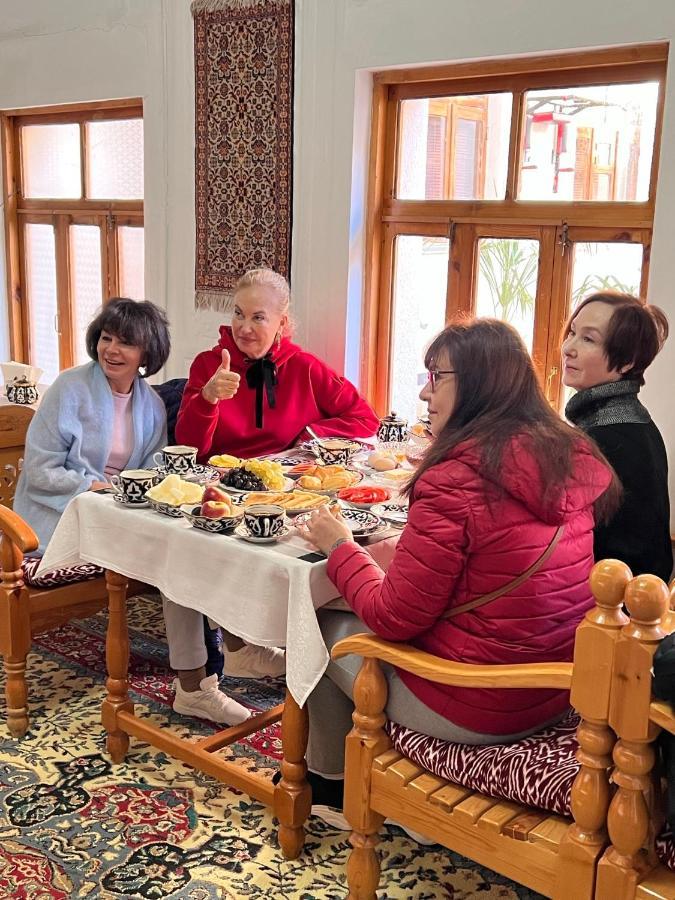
(635, 334)
(137, 322)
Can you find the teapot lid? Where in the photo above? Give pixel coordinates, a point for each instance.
(393, 418)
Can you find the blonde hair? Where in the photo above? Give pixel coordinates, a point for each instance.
(276, 282)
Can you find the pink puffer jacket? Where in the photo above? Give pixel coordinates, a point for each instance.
(461, 542)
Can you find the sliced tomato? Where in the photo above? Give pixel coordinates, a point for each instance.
(366, 494)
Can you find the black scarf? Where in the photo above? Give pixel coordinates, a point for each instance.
(613, 403)
(262, 373)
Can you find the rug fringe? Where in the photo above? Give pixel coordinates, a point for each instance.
(218, 301)
(210, 6)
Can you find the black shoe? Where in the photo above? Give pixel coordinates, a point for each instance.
(325, 791)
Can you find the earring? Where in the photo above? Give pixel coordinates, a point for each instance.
(278, 339)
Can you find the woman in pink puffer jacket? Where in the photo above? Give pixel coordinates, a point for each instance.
(500, 478)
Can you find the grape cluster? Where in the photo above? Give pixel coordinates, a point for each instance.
(243, 480)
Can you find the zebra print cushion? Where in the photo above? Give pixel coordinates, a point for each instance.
(665, 848)
(537, 771)
(59, 577)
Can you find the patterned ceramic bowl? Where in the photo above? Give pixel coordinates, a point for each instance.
(166, 509)
(215, 526)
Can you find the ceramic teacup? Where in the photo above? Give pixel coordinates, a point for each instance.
(178, 458)
(133, 483)
(336, 451)
(264, 520)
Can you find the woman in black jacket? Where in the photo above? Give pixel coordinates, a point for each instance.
(610, 339)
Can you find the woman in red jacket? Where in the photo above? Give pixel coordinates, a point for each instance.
(503, 476)
(254, 393)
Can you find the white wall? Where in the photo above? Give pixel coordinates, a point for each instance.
(76, 50)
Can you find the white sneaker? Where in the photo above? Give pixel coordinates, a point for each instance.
(336, 818)
(209, 703)
(251, 661)
(331, 816)
(415, 835)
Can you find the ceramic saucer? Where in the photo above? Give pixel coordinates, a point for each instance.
(200, 473)
(242, 532)
(123, 500)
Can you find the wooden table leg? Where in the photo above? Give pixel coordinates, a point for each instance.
(293, 795)
(117, 660)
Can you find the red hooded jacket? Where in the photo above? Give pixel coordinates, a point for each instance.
(308, 393)
(460, 543)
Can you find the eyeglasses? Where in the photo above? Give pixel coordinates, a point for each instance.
(432, 376)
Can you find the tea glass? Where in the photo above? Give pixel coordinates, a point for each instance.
(264, 520)
(178, 459)
(134, 483)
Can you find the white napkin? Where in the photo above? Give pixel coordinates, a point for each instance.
(11, 371)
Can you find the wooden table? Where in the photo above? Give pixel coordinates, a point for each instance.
(270, 597)
(291, 798)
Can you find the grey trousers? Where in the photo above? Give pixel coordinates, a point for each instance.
(184, 635)
(330, 705)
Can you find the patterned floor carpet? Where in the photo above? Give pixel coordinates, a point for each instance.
(74, 826)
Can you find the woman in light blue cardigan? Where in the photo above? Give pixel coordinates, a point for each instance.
(97, 418)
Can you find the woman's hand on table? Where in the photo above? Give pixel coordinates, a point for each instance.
(100, 486)
(323, 529)
(223, 384)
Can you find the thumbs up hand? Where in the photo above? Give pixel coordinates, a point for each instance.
(223, 384)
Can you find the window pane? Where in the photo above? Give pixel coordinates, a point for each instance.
(86, 282)
(507, 282)
(589, 143)
(41, 290)
(600, 267)
(132, 262)
(454, 148)
(115, 160)
(51, 161)
(420, 289)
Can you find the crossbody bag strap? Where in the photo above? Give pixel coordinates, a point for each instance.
(512, 585)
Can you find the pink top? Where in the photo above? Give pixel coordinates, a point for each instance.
(123, 434)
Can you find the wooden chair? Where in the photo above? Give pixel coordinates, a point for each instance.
(26, 611)
(14, 422)
(630, 867)
(552, 854)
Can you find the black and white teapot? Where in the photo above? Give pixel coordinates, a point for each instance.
(21, 391)
(392, 428)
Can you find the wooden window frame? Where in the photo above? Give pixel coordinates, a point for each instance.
(461, 220)
(60, 213)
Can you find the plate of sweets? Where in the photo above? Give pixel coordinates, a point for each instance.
(171, 493)
(223, 462)
(293, 502)
(364, 496)
(324, 479)
(256, 475)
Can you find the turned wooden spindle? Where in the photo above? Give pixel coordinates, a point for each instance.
(15, 637)
(365, 741)
(595, 645)
(626, 861)
(293, 795)
(117, 660)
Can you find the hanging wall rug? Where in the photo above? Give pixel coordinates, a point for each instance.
(243, 141)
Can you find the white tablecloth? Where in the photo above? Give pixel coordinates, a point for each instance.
(265, 593)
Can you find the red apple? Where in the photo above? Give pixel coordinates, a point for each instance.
(214, 509)
(212, 492)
